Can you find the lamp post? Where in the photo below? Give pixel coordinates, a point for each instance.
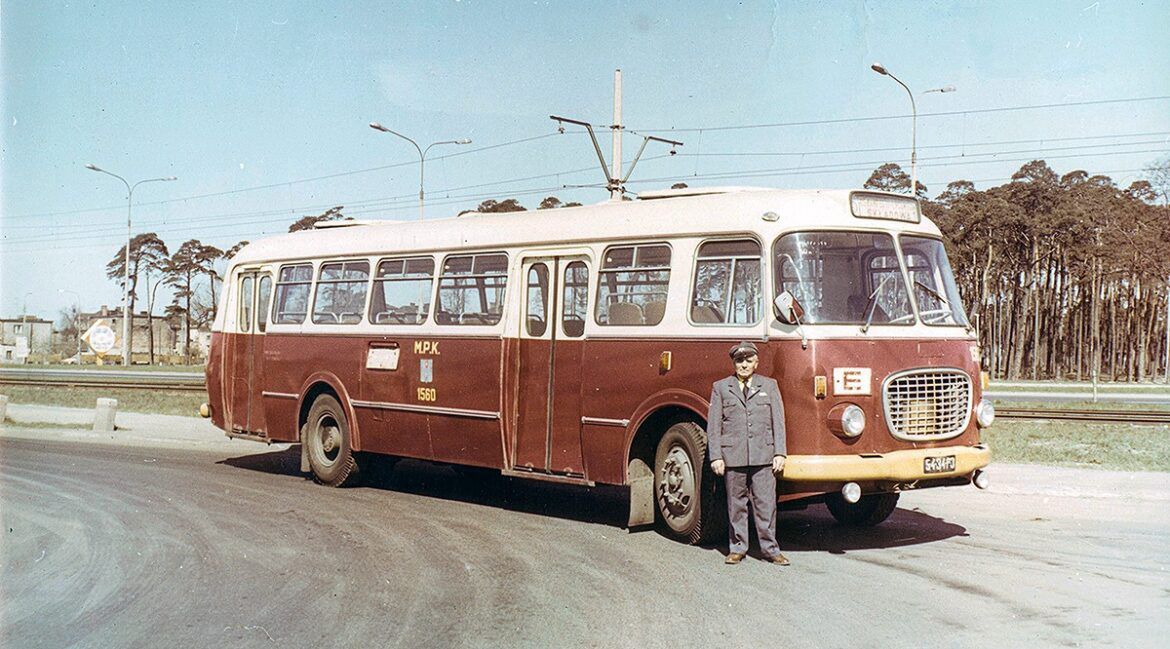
(126, 315)
(77, 317)
(877, 67)
(422, 157)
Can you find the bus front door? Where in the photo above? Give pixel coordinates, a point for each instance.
(552, 329)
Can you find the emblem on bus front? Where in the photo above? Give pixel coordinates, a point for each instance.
(851, 380)
(426, 370)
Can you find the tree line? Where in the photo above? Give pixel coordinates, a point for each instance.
(1065, 277)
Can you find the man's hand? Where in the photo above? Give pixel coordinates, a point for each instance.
(717, 467)
(778, 464)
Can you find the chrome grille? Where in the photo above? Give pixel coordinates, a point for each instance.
(927, 404)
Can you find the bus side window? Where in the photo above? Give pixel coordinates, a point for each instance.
(632, 285)
(574, 304)
(341, 292)
(263, 293)
(471, 289)
(727, 287)
(402, 291)
(292, 294)
(245, 323)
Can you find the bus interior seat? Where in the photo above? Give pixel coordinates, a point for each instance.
(573, 326)
(704, 314)
(654, 312)
(625, 313)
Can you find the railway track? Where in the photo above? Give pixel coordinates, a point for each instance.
(1105, 416)
(119, 379)
(190, 381)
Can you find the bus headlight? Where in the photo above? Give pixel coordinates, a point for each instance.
(852, 420)
(984, 413)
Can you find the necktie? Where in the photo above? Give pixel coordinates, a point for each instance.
(745, 391)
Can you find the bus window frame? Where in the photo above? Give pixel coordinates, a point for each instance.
(731, 279)
(507, 253)
(428, 316)
(910, 285)
(319, 268)
(778, 285)
(600, 271)
(309, 299)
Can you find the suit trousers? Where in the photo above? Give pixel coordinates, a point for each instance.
(760, 483)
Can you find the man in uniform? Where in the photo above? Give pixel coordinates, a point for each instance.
(746, 444)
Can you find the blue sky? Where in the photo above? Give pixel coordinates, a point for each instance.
(245, 102)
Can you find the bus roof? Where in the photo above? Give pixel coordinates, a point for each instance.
(659, 214)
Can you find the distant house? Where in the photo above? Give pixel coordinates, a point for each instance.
(167, 335)
(24, 336)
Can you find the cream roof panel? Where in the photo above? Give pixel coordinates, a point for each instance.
(736, 210)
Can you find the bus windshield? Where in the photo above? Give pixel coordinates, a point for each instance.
(843, 277)
(933, 282)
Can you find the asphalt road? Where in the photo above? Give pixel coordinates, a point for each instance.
(121, 546)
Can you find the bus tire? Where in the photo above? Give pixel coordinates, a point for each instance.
(685, 491)
(327, 443)
(867, 512)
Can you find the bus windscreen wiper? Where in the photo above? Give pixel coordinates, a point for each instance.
(872, 304)
(933, 293)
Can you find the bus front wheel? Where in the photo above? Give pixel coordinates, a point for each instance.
(684, 487)
(327, 442)
(867, 512)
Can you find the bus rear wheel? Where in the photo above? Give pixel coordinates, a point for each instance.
(867, 512)
(684, 486)
(327, 442)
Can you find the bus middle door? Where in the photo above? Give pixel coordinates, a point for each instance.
(548, 430)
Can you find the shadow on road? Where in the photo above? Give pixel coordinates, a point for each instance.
(603, 504)
(809, 530)
(815, 529)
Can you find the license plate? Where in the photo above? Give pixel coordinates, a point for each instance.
(942, 464)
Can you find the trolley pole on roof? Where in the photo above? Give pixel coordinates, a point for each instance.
(615, 193)
(615, 182)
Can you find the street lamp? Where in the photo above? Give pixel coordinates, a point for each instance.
(422, 157)
(877, 67)
(76, 317)
(126, 315)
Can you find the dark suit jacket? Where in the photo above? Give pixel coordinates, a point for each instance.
(746, 433)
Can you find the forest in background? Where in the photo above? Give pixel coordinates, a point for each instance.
(1063, 276)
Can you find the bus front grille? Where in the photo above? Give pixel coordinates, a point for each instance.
(927, 404)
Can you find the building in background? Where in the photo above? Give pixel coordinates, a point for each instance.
(25, 337)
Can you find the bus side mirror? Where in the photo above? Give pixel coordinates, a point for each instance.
(787, 309)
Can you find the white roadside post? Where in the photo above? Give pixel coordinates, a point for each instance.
(103, 415)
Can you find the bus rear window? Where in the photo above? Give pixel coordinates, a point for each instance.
(632, 285)
(471, 289)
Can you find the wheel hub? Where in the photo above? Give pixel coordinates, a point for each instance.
(677, 483)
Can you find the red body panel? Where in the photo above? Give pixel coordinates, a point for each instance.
(504, 384)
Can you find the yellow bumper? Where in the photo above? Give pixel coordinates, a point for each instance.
(901, 466)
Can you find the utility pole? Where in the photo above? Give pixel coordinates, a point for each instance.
(615, 182)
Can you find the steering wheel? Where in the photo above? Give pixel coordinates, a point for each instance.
(909, 317)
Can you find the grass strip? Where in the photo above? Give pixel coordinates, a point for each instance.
(156, 401)
(1120, 447)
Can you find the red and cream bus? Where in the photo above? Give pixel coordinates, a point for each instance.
(579, 345)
